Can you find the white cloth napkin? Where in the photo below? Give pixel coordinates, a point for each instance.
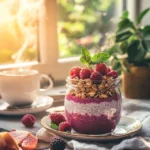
(138, 109)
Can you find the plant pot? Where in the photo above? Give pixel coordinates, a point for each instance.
(136, 84)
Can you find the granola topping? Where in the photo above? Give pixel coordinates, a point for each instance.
(86, 88)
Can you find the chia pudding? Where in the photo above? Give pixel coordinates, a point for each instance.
(93, 103)
(93, 115)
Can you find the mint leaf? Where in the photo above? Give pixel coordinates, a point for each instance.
(100, 57)
(83, 61)
(54, 126)
(86, 56)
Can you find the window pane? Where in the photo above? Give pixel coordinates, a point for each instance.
(18, 30)
(84, 23)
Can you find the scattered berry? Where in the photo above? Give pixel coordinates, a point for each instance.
(64, 126)
(102, 68)
(57, 143)
(108, 69)
(57, 118)
(28, 120)
(74, 72)
(113, 74)
(96, 76)
(85, 73)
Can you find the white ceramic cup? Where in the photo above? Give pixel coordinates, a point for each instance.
(21, 87)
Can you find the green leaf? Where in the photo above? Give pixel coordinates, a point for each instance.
(83, 61)
(100, 57)
(142, 14)
(146, 29)
(123, 35)
(124, 24)
(123, 47)
(112, 49)
(85, 57)
(146, 42)
(125, 14)
(117, 66)
(136, 51)
(54, 126)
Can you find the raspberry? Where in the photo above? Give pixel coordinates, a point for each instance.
(57, 118)
(74, 72)
(28, 120)
(92, 70)
(64, 126)
(102, 68)
(85, 73)
(113, 74)
(96, 76)
(57, 143)
(108, 69)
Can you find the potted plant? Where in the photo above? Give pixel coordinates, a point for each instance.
(131, 55)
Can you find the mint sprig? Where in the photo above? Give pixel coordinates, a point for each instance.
(100, 57)
(88, 60)
(85, 56)
(54, 126)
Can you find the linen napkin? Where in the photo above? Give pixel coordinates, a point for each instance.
(138, 109)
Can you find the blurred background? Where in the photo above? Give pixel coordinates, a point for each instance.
(51, 33)
(80, 22)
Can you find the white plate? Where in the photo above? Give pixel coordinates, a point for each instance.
(126, 127)
(41, 104)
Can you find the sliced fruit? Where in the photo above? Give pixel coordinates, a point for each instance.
(2, 142)
(10, 142)
(29, 143)
(19, 136)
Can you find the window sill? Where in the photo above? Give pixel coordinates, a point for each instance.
(68, 60)
(21, 65)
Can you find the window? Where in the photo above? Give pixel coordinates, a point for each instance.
(51, 50)
(49, 34)
(84, 23)
(19, 31)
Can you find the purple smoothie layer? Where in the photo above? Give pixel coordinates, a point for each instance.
(92, 124)
(92, 100)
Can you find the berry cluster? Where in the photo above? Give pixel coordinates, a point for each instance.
(60, 121)
(97, 82)
(94, 74)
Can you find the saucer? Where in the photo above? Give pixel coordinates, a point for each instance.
(126, 127)
(41, 104)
